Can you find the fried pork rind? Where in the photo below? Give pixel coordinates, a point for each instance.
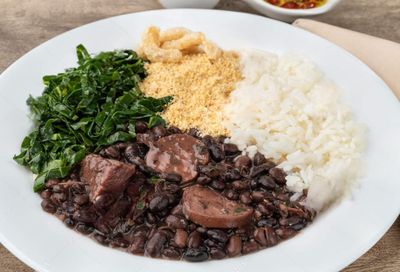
(211, 49)
(150, 48)
(172, 44)
(189, 40)
(174, 33)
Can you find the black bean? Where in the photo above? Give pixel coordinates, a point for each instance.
(163, 213)
(151, 218)
(46, 194)
(298, 227)
(132, 152)
(217, 253)
(155, 244)
(282, 197)
(278, 174)
(141, 127)
(289, 221)
(51, 182)
(264, 209)
(171, 198)
(83, 228)
(201, 230)
(159, 203)
(267, 182)
(180, 238)
(242, 161)
(266, 222)
(216, 152)
(176, 222)
(111, 152)
(100, 239)
(210, 171)
(121, 146)
(58, 188)
(194, 239)
(177, 210)
(171, 187)
(171, 253)
(258, 196)
(119, 242)
(217, 184)
(135, 153)
(81, 199)
(192, 227)
(121, 206)
(249, 247)
(210, 243)
(173, 130)
(220, 139)
(138, 243)
(203, 180)
(85, 215)
(217, 235)
(253, 184)
(230, 149)
(231, 174)
(195, 255)
(257, 215)
(285, 233)
(159, 131)
(283, 210)
(266, 236)
(143, 149)
(69, 222)
(173, 177)
(193, 132)
(104, 201)
(234, 246)
(69, 207)
(259, 159)
(245, 198)
(262, 168)
(239, 185)
(58, 197)
(48, 206)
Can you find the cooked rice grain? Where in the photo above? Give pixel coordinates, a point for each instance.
(287, 110)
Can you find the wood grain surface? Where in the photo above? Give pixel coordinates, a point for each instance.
(25, 24)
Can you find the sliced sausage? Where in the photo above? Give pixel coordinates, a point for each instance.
(105, 175)
(212, 210)
(177, 154)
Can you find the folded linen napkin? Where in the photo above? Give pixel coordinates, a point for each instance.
(380, 55)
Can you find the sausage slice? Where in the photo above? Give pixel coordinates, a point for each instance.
(212, 210)
(177, 154)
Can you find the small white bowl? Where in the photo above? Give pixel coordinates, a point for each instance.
(204, 4)
(289, 15)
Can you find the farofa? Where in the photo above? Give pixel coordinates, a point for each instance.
(200, 88)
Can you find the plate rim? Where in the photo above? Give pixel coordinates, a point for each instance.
(340, 265)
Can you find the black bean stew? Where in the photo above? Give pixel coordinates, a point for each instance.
(177, 195)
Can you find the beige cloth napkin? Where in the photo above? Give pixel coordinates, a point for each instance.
(380, 55)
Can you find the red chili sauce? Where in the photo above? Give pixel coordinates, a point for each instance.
(297, 4)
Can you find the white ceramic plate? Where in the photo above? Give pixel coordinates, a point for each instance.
(334, 240)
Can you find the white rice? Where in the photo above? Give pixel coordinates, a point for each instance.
(286, 109)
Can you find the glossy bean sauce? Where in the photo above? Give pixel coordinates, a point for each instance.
(148, 216)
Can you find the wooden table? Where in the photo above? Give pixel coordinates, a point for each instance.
(25, 24)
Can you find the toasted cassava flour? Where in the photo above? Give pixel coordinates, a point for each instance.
(200, 87)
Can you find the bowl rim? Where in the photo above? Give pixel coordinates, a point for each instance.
(312, 11)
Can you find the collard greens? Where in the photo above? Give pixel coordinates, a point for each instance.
(85, 108)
